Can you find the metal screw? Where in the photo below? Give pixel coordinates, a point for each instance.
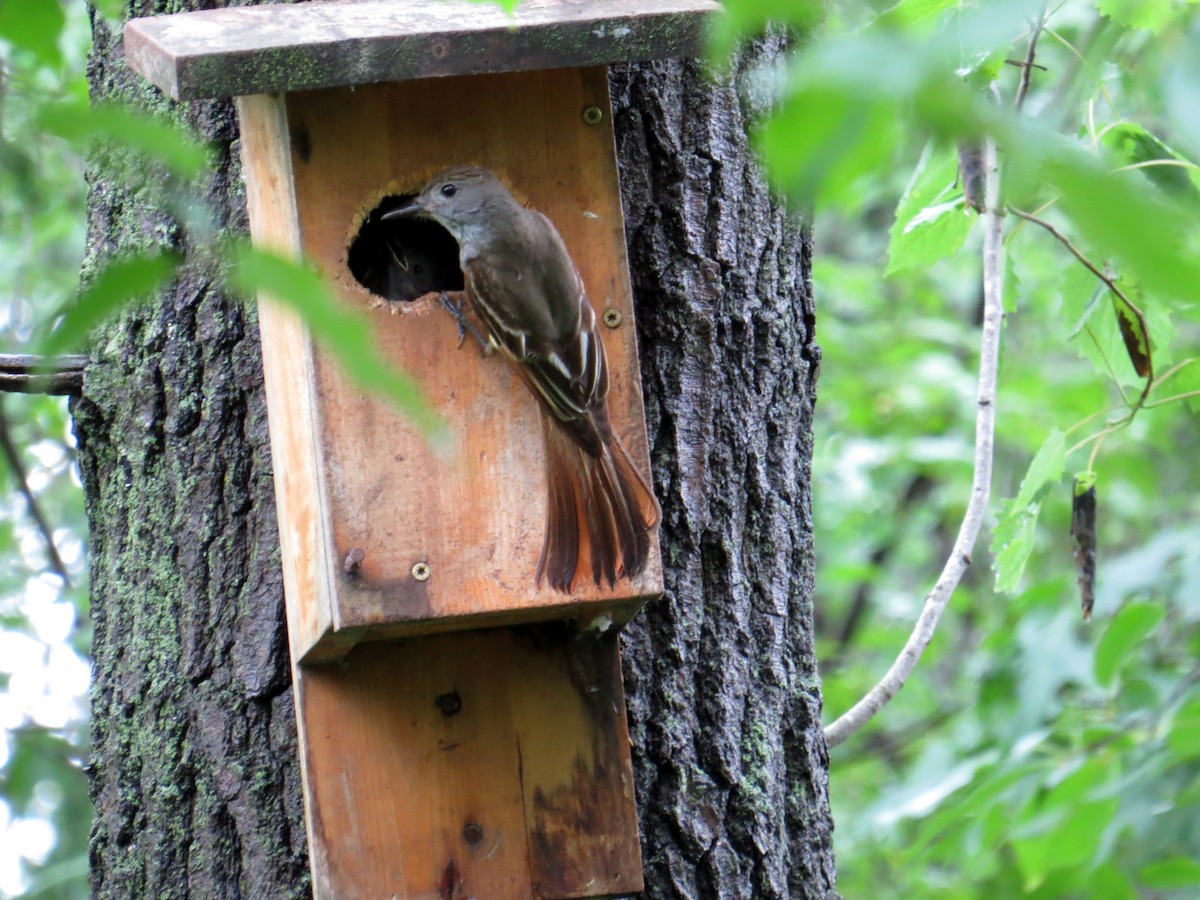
(421, 571)
(592, 115)
(472, 833)
(354, 561)
(612, 317)
(450, 704)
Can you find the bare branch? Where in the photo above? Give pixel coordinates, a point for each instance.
(1028, 66)
(985, 420)
(1108, 280)
(24, 374)
(9, 450)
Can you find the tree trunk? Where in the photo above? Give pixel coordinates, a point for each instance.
(194, 772)
(724, 698)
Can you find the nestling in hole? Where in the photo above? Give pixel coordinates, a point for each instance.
(403, 259)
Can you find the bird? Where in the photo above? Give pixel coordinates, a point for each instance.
(522, 284)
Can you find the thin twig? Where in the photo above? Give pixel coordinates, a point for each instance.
(1027, 67)
(24, 374)
(9, 449)
(985, 421)
(1108, 280)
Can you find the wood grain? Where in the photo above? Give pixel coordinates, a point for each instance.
(291, 47)
(474, 764)
(475, 514)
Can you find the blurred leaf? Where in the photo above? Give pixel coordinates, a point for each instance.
(1171, 874)
(1134, 145)
(744, 18)
(1127, 630)
(68, 878)
(1184, 737)
(1070, 841)
(34, 25)
(1012, 538)
(1151, 15)
(159, 139)
(120, 282)
(1124, 221)
(345, 332)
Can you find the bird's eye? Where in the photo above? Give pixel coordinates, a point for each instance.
(418, 268)
(449, 190)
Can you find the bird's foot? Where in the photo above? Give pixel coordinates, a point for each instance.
(464, 324)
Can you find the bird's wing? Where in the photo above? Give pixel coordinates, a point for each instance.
(567, 372)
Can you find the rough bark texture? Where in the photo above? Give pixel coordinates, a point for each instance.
(195, 778)
(724, 698)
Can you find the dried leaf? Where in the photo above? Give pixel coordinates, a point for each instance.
(1083, 529)
(1135, 334)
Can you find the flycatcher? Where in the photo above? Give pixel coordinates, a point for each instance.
(521, 282)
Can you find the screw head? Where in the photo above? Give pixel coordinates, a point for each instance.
(449, 703)
(592, 115)
(612, 317)
(353, 561)
(421, 571)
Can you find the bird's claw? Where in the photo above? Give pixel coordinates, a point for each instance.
(464, 324)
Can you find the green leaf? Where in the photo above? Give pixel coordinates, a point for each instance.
(1171, 874)
(158, 138)
(1184, 737)
(344, 331)
(1012, 542)
(34, 25)
(1134, 145)
(1045, 470)
(1122, 220)
(1068, 841)
(744, 18)
(929, 225)
(856, 137)
(1151, 15)
(934, 234)
(120, 282)
(1128, 628)
(1012, 538)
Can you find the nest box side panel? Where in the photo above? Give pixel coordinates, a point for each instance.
(471, 519)
(290, 383)
(474, 764)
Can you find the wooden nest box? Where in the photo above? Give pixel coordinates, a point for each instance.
(456, 748)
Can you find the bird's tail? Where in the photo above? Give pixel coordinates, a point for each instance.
(599, 515)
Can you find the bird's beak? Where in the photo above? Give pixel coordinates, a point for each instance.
(412, 207)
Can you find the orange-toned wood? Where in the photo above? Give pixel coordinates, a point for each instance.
(526, 790)
(475, 514)
(473, 764)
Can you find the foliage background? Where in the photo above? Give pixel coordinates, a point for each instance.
(1032, 754)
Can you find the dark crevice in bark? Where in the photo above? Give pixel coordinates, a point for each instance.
(196, 784)
(723, 692)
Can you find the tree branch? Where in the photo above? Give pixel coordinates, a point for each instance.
(9, 450)
(985, 421)
(24, 374)
(1028, 66)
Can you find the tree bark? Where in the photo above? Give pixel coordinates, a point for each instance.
(723, 693)
(194, 772)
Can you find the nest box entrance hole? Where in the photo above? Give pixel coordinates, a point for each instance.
(405, 258)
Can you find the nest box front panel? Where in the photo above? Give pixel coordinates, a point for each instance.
(446, 537)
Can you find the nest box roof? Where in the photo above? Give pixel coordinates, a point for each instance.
(293, 47)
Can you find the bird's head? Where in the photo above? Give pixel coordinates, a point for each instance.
(458, 199)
